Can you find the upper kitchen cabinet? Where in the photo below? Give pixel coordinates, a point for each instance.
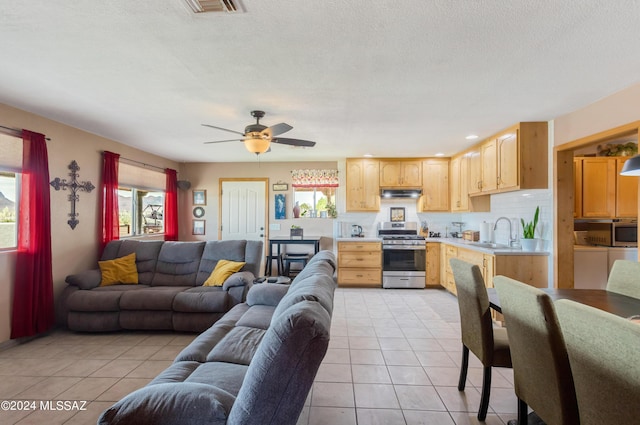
(513, 159)
(600, 190)
(363, 189)
(400, 173)
(459, 183)
(474, 156)
(626, 192)
(435, 185)
(598, 187)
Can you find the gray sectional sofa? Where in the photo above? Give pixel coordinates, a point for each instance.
(169, 295)
(255, 366)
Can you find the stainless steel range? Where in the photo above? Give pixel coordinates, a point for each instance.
(404, 255)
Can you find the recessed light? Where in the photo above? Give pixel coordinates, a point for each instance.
(471, 137)
(439, 154)
(367, 155)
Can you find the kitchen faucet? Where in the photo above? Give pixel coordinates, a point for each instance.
(495, 226)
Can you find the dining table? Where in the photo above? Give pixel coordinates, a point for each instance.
(611, 302)
(278, 241)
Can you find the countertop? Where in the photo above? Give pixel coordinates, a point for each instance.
(495, 251)
(461, 243)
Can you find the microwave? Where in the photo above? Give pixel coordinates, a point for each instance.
(613, 233)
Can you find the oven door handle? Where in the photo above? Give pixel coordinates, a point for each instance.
(405, 247)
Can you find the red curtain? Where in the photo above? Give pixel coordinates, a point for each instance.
(171, 206)
(33, 310)
(109, 207)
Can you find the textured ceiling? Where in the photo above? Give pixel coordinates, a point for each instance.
(390, 78)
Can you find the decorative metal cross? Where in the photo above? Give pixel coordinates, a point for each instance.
(74, 186)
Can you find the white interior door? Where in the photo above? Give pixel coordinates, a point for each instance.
(243, 210)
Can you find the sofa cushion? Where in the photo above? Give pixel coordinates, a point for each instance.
(214, 251)
(202, 299)
(120, 270)
(238, 346)
(146, 255)
(178, 264)
(223, 270)
(258, 316)
(152, 298)
(182, 403)
(104, 298)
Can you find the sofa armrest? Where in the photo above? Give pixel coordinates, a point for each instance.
(266, 294)
(238, 279)
(86, 280)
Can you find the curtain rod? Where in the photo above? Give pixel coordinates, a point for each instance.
(14, 131)
(143, 164)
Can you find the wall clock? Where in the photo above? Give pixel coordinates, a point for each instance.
(198, 212)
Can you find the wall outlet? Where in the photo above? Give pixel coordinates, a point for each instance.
(274, 226)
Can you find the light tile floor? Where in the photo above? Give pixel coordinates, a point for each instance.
(393, 359)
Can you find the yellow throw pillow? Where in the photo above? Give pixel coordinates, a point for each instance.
(223, 270)
(120, 270)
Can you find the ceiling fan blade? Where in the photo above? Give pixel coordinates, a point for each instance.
(280, 128)
(293, 142)
(222, 141)
(223, 129)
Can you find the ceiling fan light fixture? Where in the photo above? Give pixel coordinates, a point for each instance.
(257, 145)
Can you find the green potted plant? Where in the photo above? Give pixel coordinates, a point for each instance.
(529, 241)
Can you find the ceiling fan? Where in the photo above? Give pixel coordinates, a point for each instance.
(257, 138)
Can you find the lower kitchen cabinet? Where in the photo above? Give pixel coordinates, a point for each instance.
(529, 269)
(360, 264)
(433, 264)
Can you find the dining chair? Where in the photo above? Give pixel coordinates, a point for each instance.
(625, 278)
(490, 345)
(541, 372)
(603, 352)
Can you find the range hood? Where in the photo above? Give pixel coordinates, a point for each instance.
(400, 193)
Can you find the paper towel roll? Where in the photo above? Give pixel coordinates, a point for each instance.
(486, 232)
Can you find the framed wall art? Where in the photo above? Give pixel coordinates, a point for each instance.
(198, 227)
(278, 187)
(281, 206)
(397, 214)
(199, 197)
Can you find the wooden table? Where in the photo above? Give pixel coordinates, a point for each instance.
(286, 240)
(611, 302)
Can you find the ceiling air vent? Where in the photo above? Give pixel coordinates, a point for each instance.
(200, 6)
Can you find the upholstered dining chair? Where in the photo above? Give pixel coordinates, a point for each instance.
(490, 345)
(604, 352)
(541, 372)
(625, 278)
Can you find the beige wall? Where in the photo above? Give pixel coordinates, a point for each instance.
(618, 109)
(73, 250)
(207, 176)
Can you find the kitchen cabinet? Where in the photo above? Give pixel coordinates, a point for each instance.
(475, 171)
(601, 192)
(360, 264)
(511, 160)
(362, 181)
(433, 264)
(435, 185)
(489, 181)
(577, 187)
(400, 173)
(459, 183)
(530, 269)
(626, 192)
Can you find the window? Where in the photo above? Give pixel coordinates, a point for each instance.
(141, 212)
(315, 201)
(8, 209)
